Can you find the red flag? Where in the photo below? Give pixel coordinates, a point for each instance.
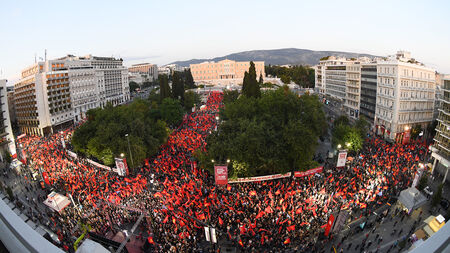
(150, 240)
(166, 219)
(242, 229)
(277, 192)
(240, 243)
(291, 228)
(228, 187)
(260, 214)
(220, 221)
(287, 241)
(252, 193)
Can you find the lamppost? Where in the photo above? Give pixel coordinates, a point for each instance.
(129, 149)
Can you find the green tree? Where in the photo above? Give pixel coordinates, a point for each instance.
(177, 87)
(275, 133)
(189, 80)
(164, 88)
(342, 120)
(171, 111)
(190, 99)
(423, 182)
(7, 156)
(354, 139)
(10, 193)
(230, 96)
(133, 86)
(437, 197)
(362, 125)
(261, 80)
(415, 131)
(285, 79)
(250, 86)
(103, 136)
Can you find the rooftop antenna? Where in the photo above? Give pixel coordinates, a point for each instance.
(45, 57)
(34, 57)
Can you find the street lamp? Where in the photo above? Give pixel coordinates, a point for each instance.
(122, 155)
(129, 149)
(212, 160)
(348, 144)
(406, 128)
(228, 160)
(339, 146)
(217, 118)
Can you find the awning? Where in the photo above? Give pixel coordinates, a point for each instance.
(412, 199)
(428, 230)
(420, 234)
(56, 201)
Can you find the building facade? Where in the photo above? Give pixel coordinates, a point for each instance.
(144, 72)
(368, 91)
(6, 133)
(54, 94)
(405, 96)
(224, 72)
(441, 146)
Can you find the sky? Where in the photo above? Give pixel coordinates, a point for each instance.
(165, 31)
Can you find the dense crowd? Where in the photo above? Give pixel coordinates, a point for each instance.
(269, 216)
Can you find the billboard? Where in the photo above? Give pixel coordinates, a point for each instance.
(221, 174)
(342, 158)
(260, 178)
(121, 167)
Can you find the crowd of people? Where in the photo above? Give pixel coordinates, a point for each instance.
(269, 216)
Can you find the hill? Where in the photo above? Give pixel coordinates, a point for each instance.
(292, 56)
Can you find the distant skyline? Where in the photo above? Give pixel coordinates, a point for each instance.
(162, 32)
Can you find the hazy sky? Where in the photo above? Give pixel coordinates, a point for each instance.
(165, 31)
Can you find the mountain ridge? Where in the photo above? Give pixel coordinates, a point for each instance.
(282, 56)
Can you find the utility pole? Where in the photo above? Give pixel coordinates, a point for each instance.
(129, 149)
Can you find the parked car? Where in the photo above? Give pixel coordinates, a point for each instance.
(428, 191)
(445, 204)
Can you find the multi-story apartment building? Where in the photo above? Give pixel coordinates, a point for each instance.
(368, 91)
(405, 96)
(339, 79)
(143, 72)
(53, 94)
(441, 147)
(11, 104)
(393, 93)
(6, 133)
(224, 72)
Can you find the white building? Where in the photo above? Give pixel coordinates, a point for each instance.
(405, 96)
(394, 93)
(53, 94)
(143, 72)
(6, 133)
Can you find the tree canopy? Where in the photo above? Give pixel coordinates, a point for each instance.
(177, 86)
(164, 88)
(133, 86)
(347, 135)
(171, 111)
(103, 135)
(272, 134)
(301, 75)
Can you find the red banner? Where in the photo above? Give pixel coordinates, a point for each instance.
(221, 174)
(329, 224)
(45, 176)
(308, 172)
(261, 178)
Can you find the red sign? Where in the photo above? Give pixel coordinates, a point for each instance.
(308, 172)
(329, 224)
(221, 174)
(406, 137)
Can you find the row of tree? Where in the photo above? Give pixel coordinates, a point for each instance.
(183, 78)
(108, 131)
(301, 75)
